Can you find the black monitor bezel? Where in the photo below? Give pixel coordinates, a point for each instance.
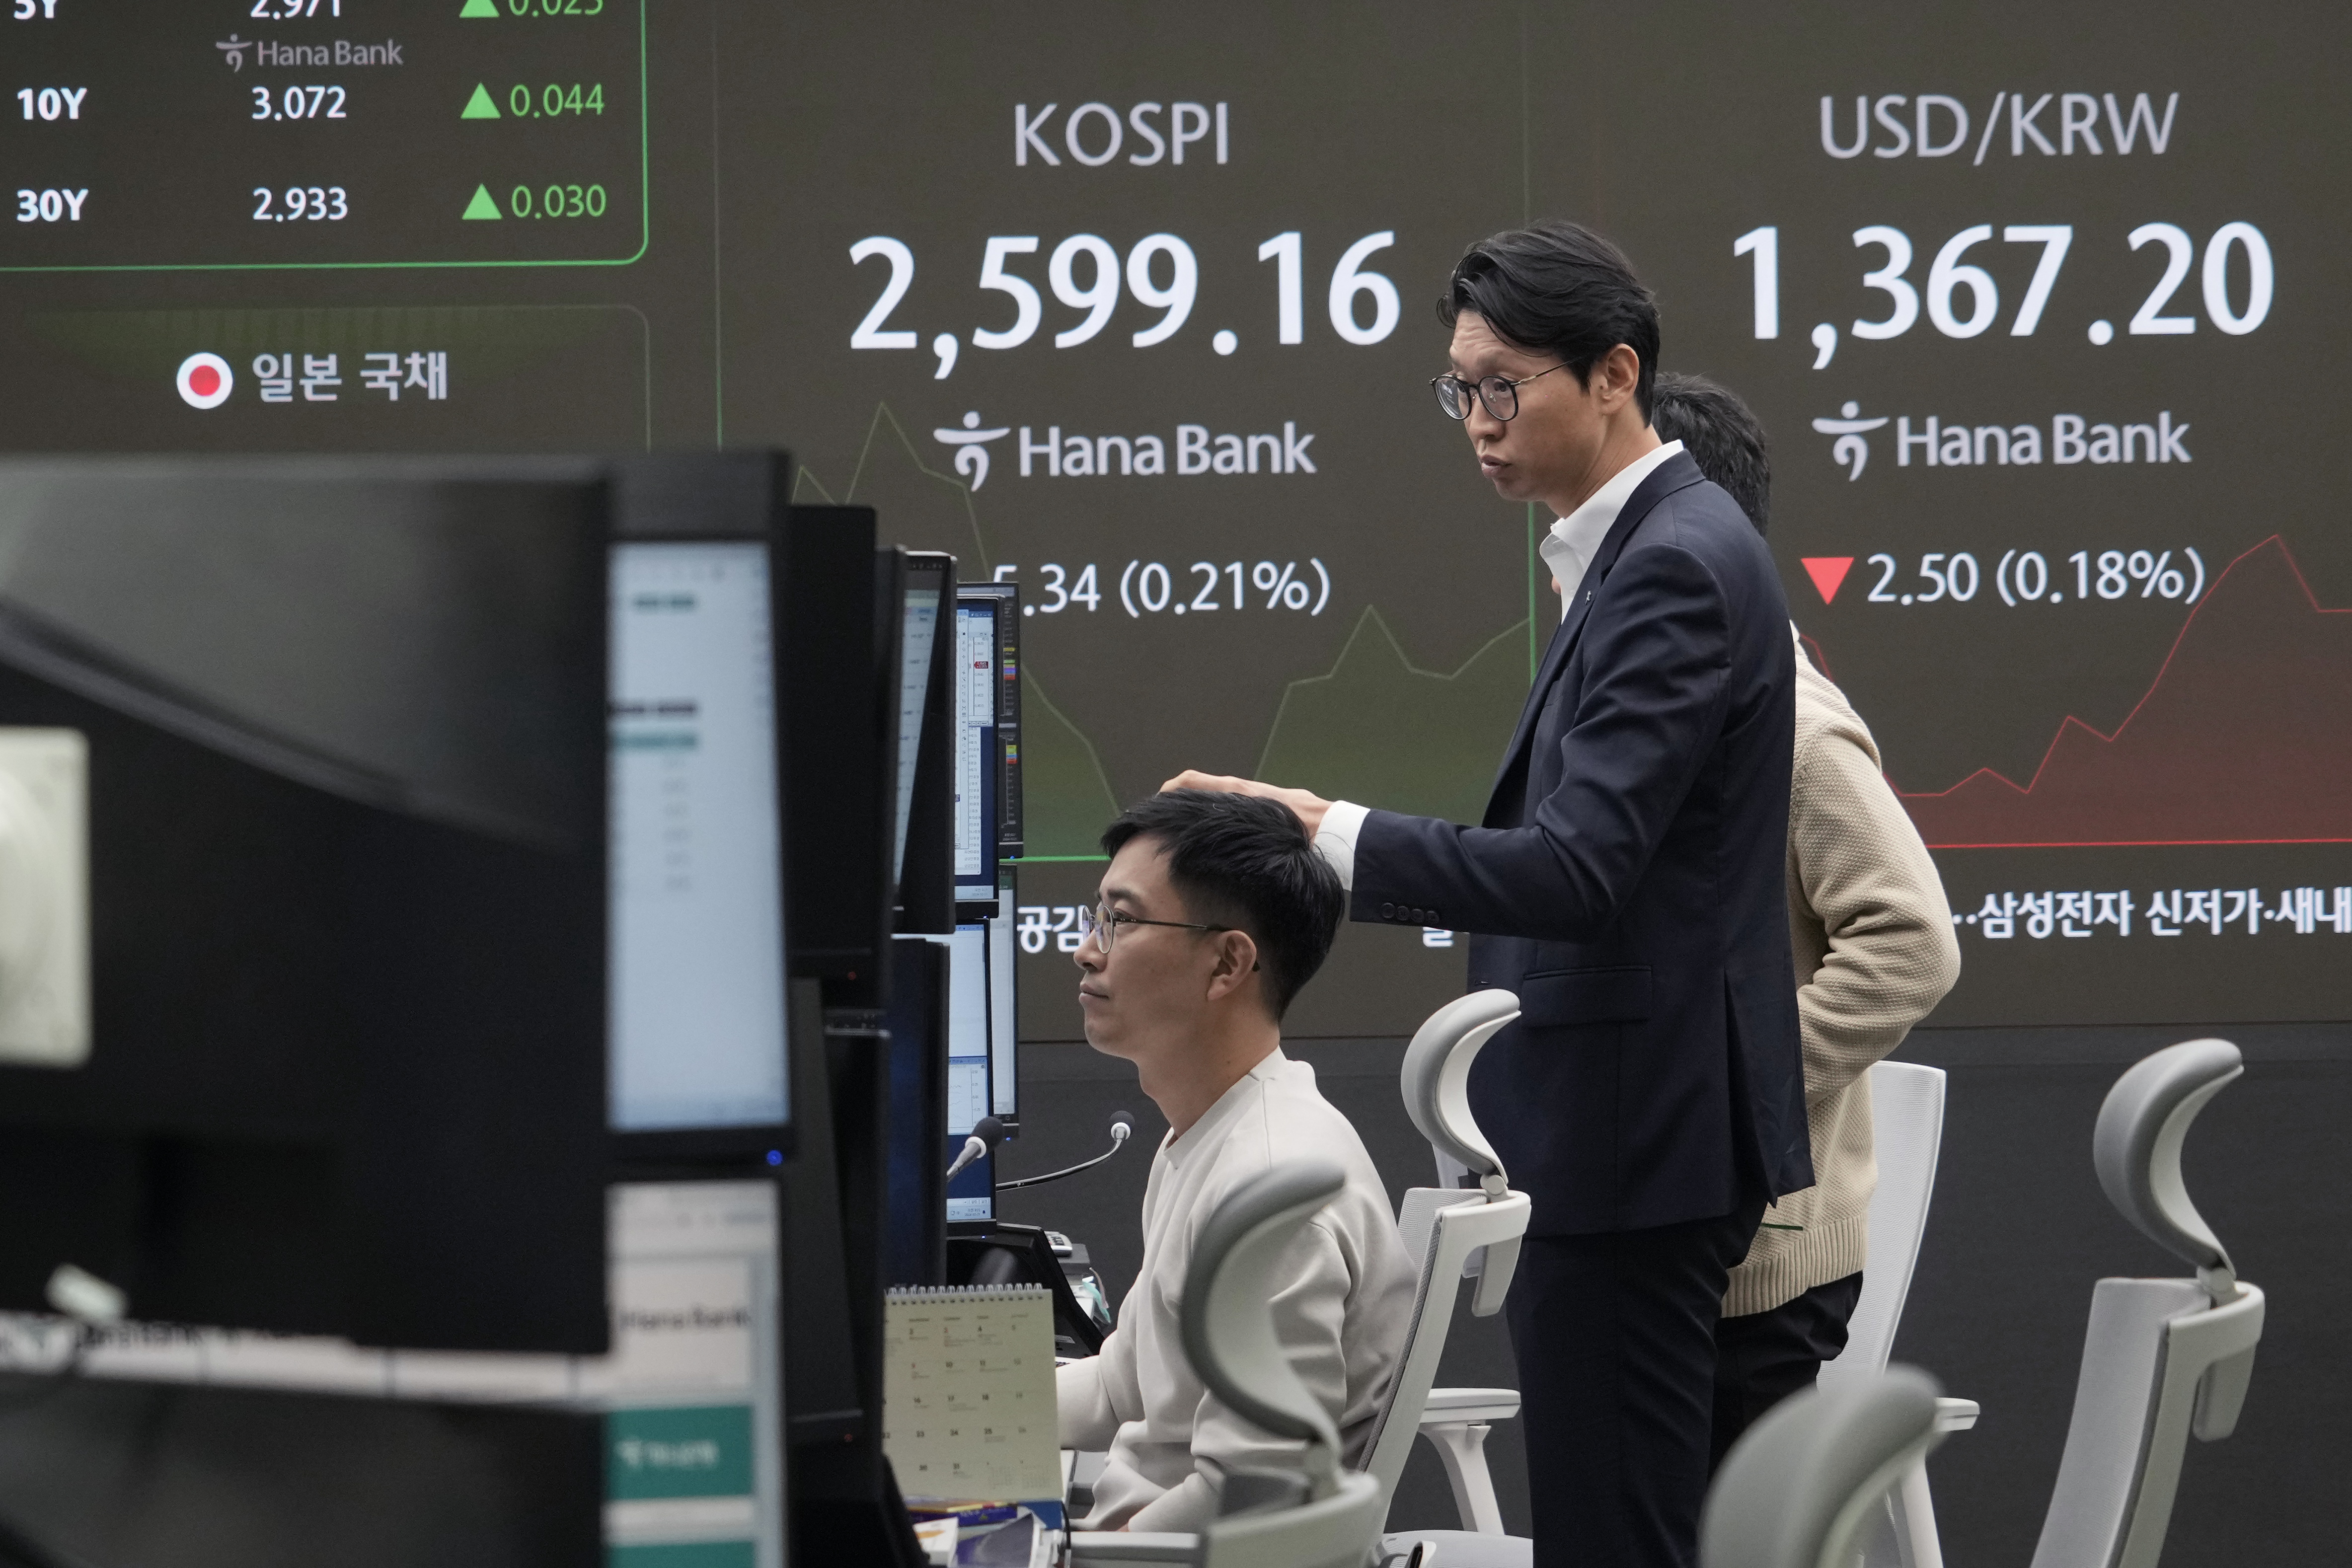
(923, 901)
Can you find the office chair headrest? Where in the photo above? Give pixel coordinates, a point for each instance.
(2137, 1150)
(1228, 1323)
(1436, 1079)
(1795, 1489)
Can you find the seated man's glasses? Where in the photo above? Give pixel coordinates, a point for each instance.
(1102, 924)
(1499, 393)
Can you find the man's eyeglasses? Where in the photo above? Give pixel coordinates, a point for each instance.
(1102, 924)
(1499, 393)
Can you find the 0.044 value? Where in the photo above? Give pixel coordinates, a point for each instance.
(2027, 577)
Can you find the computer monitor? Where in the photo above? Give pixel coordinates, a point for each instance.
(987, 685)
(175, 1475)
(972, 1194)
(915, 1234)
(345, 810)
(929, 577)
(925, 797)
(1004, 1012)
(697, 966)
(269, 1449)
(838, 649)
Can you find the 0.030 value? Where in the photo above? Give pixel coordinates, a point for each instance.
(2026, 577)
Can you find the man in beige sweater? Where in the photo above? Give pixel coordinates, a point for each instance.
(1215, 910)
(1875, 952)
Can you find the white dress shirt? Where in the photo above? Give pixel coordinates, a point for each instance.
(1342, 1308)
(1575, 539)
(1568, 551)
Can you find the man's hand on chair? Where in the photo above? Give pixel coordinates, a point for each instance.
(1309, 806)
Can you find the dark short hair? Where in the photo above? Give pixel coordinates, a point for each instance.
(1558, 289)
(1722, 435)
(1245, 862)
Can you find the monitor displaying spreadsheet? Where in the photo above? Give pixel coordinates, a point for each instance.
(696, 969)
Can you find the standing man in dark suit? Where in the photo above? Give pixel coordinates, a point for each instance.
(1627, 882)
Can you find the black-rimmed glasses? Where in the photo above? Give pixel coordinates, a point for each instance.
(1102, 924)
(1499, 393)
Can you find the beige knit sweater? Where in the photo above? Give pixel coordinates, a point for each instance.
(1875, 950)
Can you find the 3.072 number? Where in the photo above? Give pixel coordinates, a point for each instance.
(299, 103)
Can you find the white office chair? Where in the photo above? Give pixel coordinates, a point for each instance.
(1907, 1111)
(1800, 1486)
(1324, 1516)
(1906, 1107)
(1450, 1230)
(2162, 1358)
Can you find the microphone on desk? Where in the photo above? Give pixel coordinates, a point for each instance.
(1122, 1127)
(986, 1134)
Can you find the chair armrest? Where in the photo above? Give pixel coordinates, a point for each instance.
(1169, 1546)
(1957, 1415)
(1449, 1407)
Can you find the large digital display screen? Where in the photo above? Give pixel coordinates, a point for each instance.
(1134, 306)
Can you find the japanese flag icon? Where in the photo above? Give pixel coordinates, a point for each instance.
(206, 380)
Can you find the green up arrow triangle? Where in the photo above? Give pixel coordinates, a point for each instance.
(475, 8)
(482, 206)
(479, 105)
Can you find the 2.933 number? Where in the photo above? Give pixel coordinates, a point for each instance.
(311, 204)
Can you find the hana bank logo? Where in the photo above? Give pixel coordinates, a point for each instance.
(1852, 449)
(234, 51)
(971, 445)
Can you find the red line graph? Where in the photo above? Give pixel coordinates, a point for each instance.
(2243, 737)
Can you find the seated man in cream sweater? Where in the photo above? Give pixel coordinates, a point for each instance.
(1874, 954)
(1215, 910)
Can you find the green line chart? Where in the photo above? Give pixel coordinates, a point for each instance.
(1374, 727)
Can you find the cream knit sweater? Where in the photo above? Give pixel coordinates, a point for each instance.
(1875, 950)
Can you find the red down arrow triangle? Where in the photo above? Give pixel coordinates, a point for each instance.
(1827, 571)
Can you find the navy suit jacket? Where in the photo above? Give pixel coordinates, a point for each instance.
(1628, 881)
